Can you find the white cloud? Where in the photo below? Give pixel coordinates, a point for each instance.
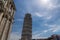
(39, 14)
(48, 4)
(18, 20)
(52, 6)
(36, 37)
(49, 25)
(56, 28)
(44, 15)
(53, 28)
(15, 36)
(38, 34)
(45, 31)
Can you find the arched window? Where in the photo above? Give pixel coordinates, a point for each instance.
(1, 6)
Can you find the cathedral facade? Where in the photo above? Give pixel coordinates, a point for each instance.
(7, 9)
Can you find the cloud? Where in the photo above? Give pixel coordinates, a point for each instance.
(18, 20)
(39, 35)
(36, 37)
(15, 36)
(45, 31)
(53, 28)
(48, 4)
(39, 14)
(56, 28)
(44, 15)
(53, 7)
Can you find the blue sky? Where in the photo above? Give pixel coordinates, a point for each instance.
(45, 17)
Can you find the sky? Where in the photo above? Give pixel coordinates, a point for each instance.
(45, 18)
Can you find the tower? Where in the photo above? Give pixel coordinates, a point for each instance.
(27, 28)
(7, 9)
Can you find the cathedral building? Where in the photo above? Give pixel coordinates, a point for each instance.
(27, 28)
(7, 9)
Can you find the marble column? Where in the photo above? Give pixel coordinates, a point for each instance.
(1, 16)
(5, 31)
(2, 26)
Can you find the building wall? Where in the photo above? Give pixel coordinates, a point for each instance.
(7, 9)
